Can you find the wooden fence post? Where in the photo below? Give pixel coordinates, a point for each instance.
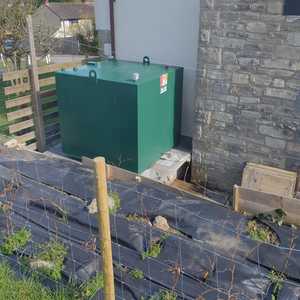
(104, 227)
(236, 198)
(35, 86)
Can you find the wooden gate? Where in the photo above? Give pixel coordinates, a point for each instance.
(18, 103)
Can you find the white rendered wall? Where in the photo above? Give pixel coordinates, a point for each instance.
(165, 30)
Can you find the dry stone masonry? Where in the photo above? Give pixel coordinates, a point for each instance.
(248, 104)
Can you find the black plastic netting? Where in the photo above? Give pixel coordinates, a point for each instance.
(206, 253)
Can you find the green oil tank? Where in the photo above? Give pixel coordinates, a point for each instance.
(128, 112)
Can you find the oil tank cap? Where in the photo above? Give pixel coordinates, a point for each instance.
(135, 76)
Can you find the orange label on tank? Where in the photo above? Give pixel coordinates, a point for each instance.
(164, 80)
(163, 83)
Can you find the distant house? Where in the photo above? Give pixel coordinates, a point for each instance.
(64, 20)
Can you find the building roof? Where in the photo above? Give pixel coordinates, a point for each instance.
(72, 11)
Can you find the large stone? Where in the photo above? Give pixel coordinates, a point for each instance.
(275, 143)
(281, 93)
(275, 7)
(161, 223)
(294, 38)
(211, 55)
(240, 78)
(260, 79)
(279, 83)
(273, 132)
(258, 27)
(289, 52)
(249, 100)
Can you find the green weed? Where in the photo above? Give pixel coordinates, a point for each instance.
(15, 288)
(116, 202)
(276, 279)
(164, 295)
(15, 242)
(136, 274)
(137, 218)
(51, 259)
(91, 287)
(155, 248)
(261, 232)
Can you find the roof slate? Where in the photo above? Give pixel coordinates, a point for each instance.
(72, 11)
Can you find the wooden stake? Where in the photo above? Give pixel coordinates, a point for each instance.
(35, 86)
(104, 227)
(236, 198)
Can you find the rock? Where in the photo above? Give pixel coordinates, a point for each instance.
(13, 143)
(92, 207)
(38, 264)
(161, 223)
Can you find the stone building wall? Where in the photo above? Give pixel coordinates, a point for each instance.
(248, 104)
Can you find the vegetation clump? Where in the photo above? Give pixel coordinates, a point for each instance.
(15, 242)
(155, 248)
(15, 288)
(139, 219)
(50, 260)
(261, 232)
(116, 202)
(91, 287)
(164, 295)
(136, 274)
(276, 279)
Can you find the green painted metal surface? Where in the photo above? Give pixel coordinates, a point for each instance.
(103, 111)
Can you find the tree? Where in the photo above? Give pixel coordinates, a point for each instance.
(13, 28)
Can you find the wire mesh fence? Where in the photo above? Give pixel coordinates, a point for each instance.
(166, 244)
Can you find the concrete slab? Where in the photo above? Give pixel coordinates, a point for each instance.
(167, 169)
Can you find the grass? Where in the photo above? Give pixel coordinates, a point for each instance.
(261, 232)
(276, 279)
(91, 287)
(137, 218)
(164, 295)
(155, 248)
(15, 242)
(116, 201)
(136, 274)
(50, 260)
(13, 288)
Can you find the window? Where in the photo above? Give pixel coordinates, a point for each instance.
(292, 8)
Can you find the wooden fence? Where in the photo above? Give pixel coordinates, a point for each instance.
(18, 104)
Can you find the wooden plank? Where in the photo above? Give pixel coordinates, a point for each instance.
(17, 102)
(35, 84)
(49, 100)
(20, 126)
(47, 81)
(191, 189)
(50, 111)
(269, 180)
(21, 113)
(255, 202)
(48, 93)
(32, 147)
(17, 89)
(26, 137)
(7, 76)
(57, 67)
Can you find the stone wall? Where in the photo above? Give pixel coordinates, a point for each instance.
(248, 104)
